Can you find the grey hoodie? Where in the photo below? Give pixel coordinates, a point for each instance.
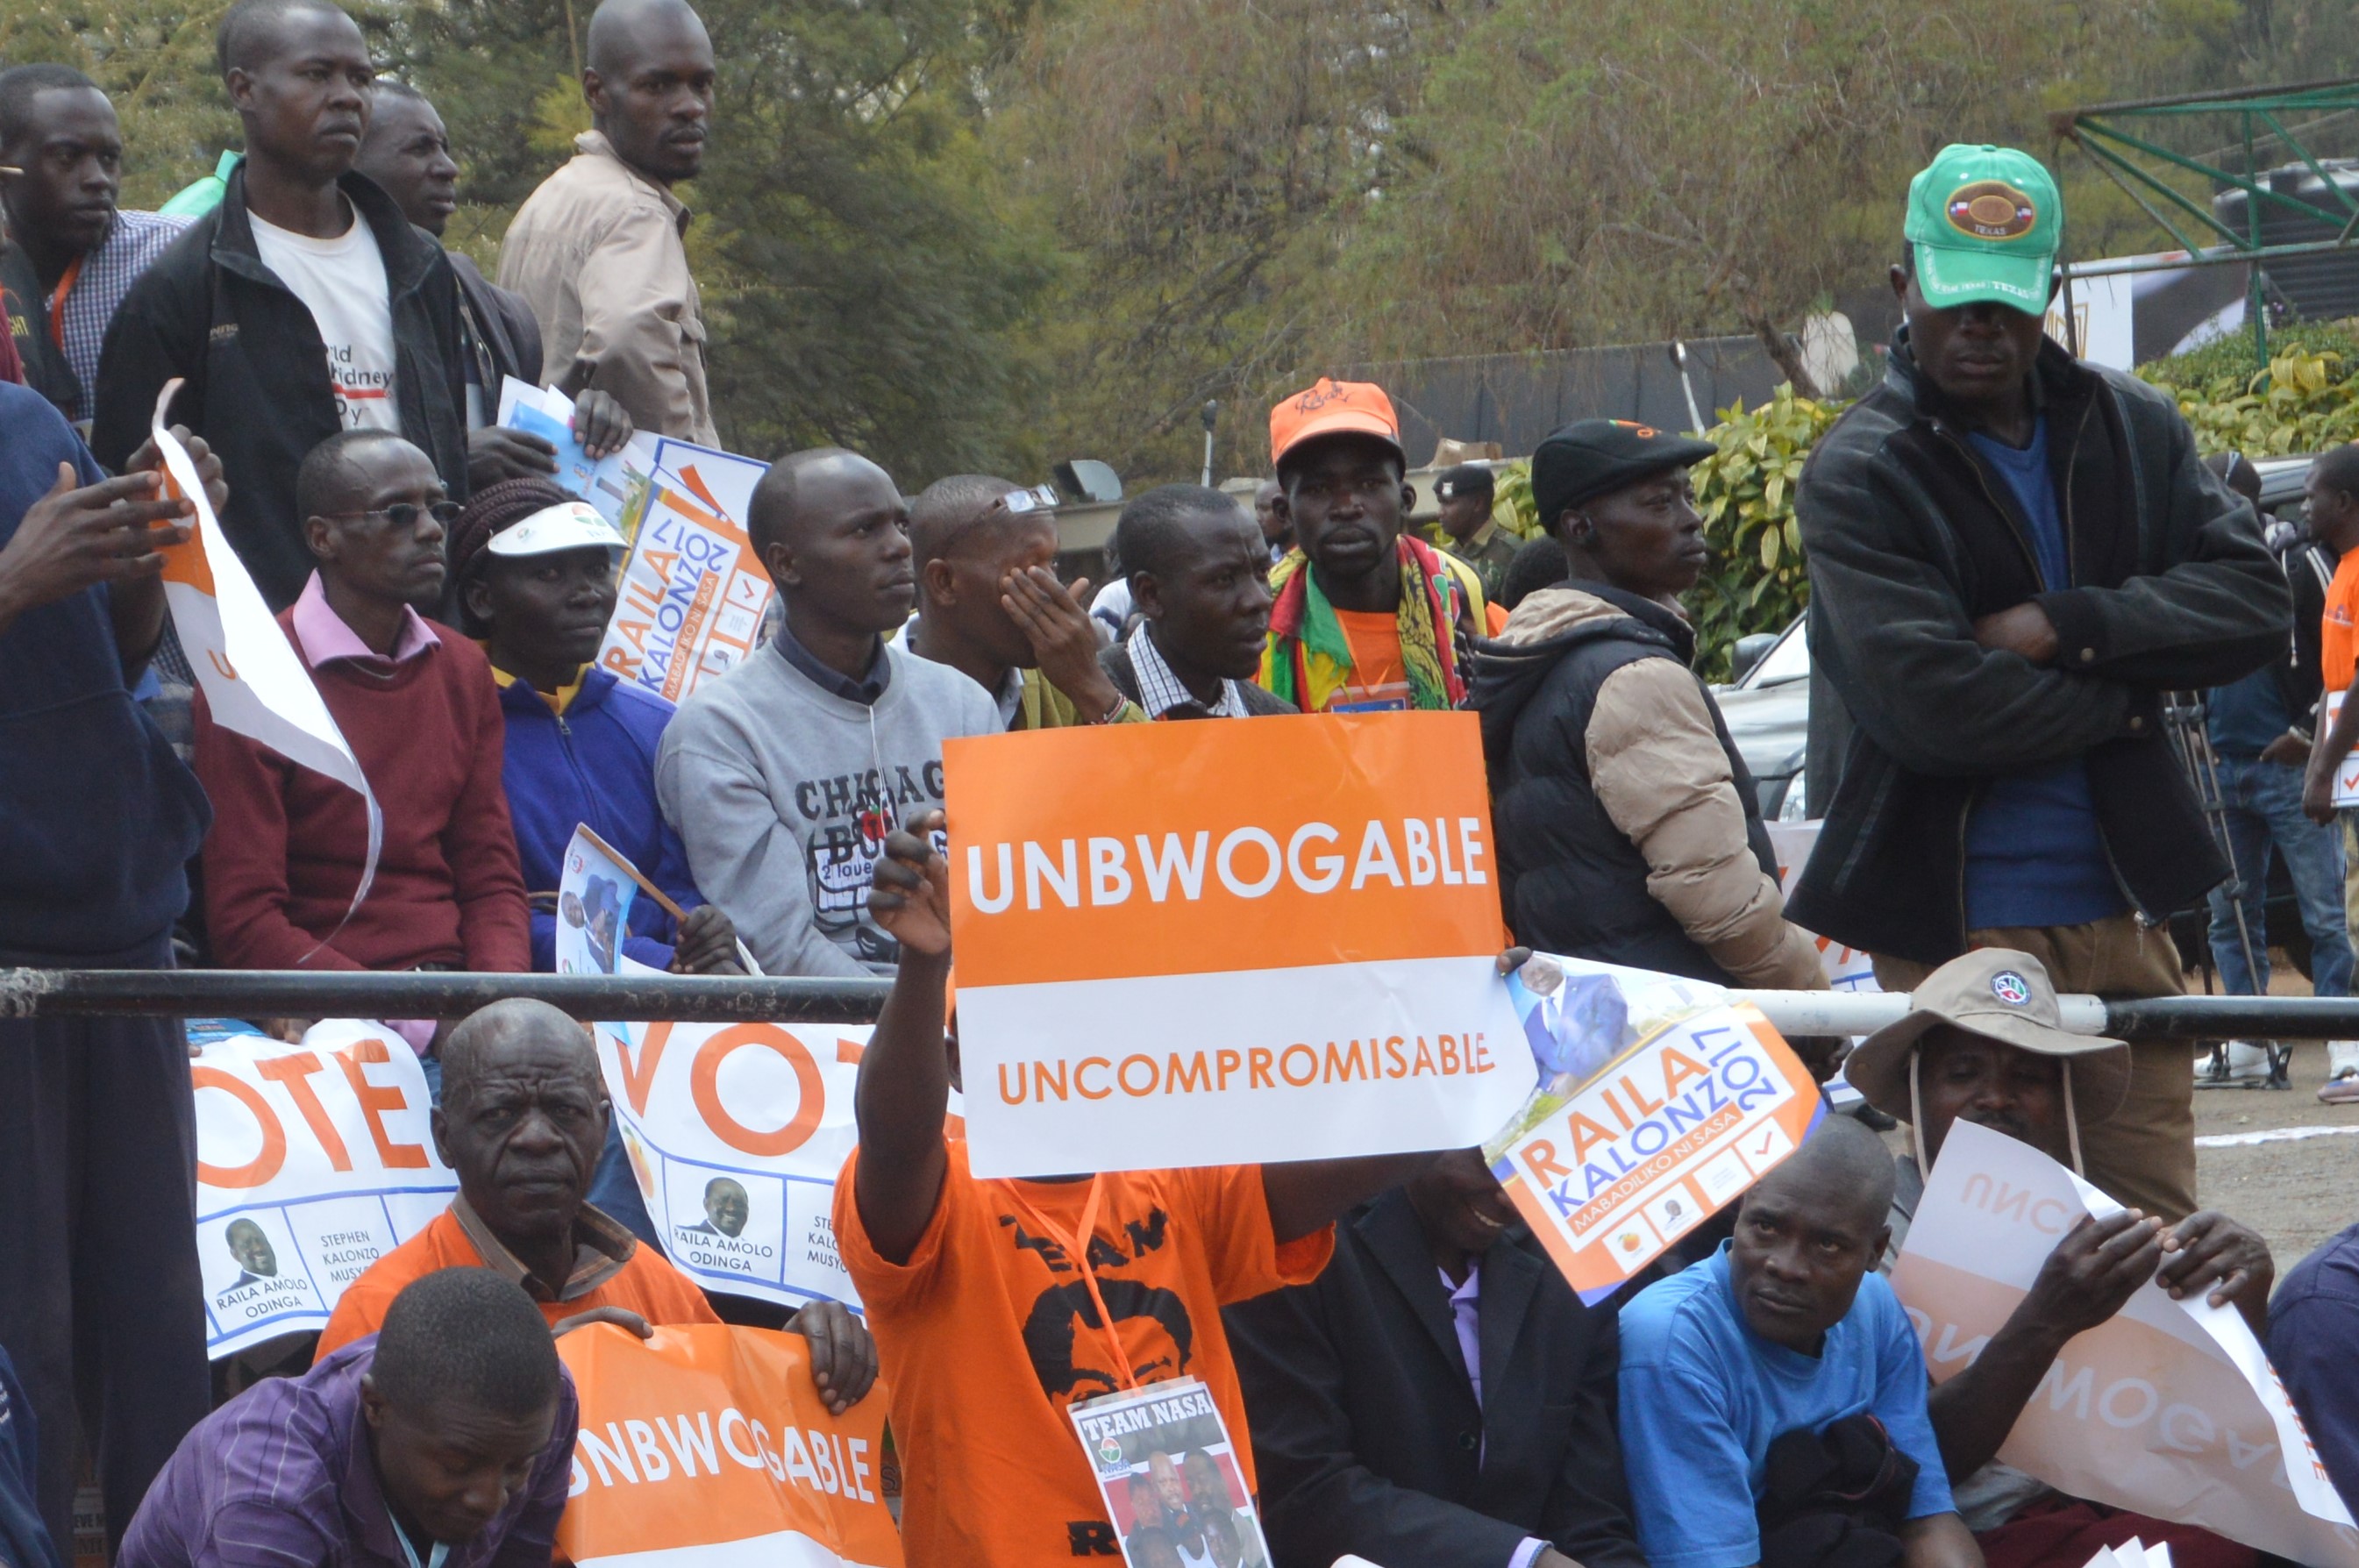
(783, 792)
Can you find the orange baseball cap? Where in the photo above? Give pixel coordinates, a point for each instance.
(1330, 408)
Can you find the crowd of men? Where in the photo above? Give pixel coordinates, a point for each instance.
(2013, 558)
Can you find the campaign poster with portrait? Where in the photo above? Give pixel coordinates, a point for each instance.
(692, 595)
(594, 895)
(736, 1133)
(1168, 1473)
(1660, 1103)
(313, 1160)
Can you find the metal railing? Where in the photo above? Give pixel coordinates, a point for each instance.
(259, 994)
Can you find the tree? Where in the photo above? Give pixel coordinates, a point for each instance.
(860, 286)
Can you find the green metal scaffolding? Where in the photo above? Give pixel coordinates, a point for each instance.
(2110, 135)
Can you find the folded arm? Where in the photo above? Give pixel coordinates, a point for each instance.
(1889, 626)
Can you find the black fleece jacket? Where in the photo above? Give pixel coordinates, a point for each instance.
(1911, 538)
(258, 391)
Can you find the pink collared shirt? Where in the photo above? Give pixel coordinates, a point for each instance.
(322, 635)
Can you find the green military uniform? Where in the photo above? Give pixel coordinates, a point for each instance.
(1487, 551)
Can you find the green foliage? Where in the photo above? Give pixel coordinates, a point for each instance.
(863, 280)
(1745, 494)
(2306, 399)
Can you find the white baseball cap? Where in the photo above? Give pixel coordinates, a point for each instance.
(575, 525)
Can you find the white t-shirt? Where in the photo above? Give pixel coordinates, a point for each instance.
(341, 281)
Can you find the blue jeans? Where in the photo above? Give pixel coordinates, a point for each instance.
(2263, 801)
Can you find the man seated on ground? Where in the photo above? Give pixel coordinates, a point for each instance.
(422, 717)
(407, 151)
(784, 776)
(524, 1115)
(1783, 1339)
(990, 606)
(2313, 1323)
(1368, 616)
(446, 1439)
(1493, 1447)
(987, 1331)
(1467, 494)
(1198, 577)
(1967, 1050)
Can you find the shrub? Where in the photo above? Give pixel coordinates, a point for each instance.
(1756, 580)
(2305, 399)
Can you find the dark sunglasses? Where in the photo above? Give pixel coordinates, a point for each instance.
(405, 514)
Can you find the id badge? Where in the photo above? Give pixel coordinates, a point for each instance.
(1171, 1479)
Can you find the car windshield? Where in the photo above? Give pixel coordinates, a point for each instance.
(1789, 660)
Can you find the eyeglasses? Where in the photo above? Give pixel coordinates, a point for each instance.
(405, 514)
(1039, 498)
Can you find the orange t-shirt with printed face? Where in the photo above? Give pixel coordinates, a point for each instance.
(984, 1342)
(1379, 680)
(2338, 632)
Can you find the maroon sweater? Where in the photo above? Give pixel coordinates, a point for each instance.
(287, 843)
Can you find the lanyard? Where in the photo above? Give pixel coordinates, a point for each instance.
(435, 1558)
(57, 301)
(1080, 1259)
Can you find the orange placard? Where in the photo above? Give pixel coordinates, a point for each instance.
(708, 1444)
(1131, 850)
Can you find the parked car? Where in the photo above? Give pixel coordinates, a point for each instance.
(1767, 703)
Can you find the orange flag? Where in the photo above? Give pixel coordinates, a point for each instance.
(708, 1444)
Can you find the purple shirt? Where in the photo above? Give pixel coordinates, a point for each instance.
(282, 1478)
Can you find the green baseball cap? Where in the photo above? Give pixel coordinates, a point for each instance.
(1986, 222)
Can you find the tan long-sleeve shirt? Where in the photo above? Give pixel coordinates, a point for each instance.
(597, 252)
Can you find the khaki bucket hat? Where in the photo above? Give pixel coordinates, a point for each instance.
(2001, 994)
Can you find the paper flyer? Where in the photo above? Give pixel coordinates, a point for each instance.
(1661, 1104)
(2168, 1410)
(615, 484)
(1186, 972)
(691, 595)
(707, 1446)
(313, 1160)
(594, 895)
(1171, 1478)
(253, 681)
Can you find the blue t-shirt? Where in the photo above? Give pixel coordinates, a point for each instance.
(2314, 1326)
(1704, 1396)
(2034, 854)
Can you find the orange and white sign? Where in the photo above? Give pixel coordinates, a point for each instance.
(707, 1447)
(1268, 941)
(2346, 772)
(736, 1133)
(253, 681)
(1663, 1136)
(1847, 968)
(313, 1160)
(692, 595)
(2171, 1409)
